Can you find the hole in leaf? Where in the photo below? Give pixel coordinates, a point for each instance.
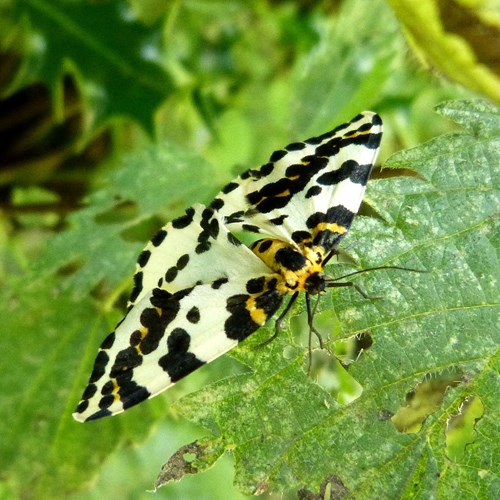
(349, 350)
(421, 402)
(122, 211)
(189, 457)
(332, 487)
(460, 429)
(329, 373)
(327, 368)
(143, 230)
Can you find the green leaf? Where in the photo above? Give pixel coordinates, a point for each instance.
(55, 326)
(288, 432)
(100, 243)
(349, 68)
(41, 447)
(116, 58)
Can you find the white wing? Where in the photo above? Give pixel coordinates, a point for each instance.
(169, 333)
(194, 248)
(309, 190)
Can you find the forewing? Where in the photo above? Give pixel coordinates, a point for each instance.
(308, 190)
(164, 337)
(194, 248)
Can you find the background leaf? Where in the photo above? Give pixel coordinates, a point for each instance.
(117, 58)
(75, 212)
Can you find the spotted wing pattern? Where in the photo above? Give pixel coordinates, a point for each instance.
(308, 191)
(198, 291)
(173, 327)
(194, 248)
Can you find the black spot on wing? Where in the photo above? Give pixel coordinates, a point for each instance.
(193, 315)
(138, 277)
(278, 221)
(179, 362)
(313, 191)
(158, 238)
(144, 258)
(156, 323)
(250, 227)
(98, 414)
(161, 298)
(334, 145)
(235, 217)
(240, 324)
(131, 393)
(217, 204)
(184, 293)
(256, 285)
(89, 392)
(203, 247)
(171, 274)
(374, 140)
(338, 214)
(126, 360)
(135, 338)
(100, 364)
(276, 195)
(210, 230)
(173, 271)
(246, 175)
(277, 155)
(376, 120)
(184, 220)
(182, 261)
(82, 406)
(109, 340)
(351, 170)
(106, 402)
(218, 283)
(228, 188)
(262, 246)
(233, 240)
(326, 238)
(300, 236)
(295, 146)
(107, 388)
(290, 258)
(266, 169)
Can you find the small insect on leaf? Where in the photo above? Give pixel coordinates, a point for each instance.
(198, 290)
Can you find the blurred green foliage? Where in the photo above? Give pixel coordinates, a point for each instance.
(115, 116)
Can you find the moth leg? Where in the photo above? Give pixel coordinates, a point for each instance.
(279, 320)
(310, 318)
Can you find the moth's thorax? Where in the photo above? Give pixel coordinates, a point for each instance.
(300, 267)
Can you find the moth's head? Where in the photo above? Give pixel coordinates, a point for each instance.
(315, 283)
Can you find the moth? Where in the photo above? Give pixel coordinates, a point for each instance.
(198, 291)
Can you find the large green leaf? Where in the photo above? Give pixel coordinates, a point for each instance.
(287, 431)
(116, 58)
